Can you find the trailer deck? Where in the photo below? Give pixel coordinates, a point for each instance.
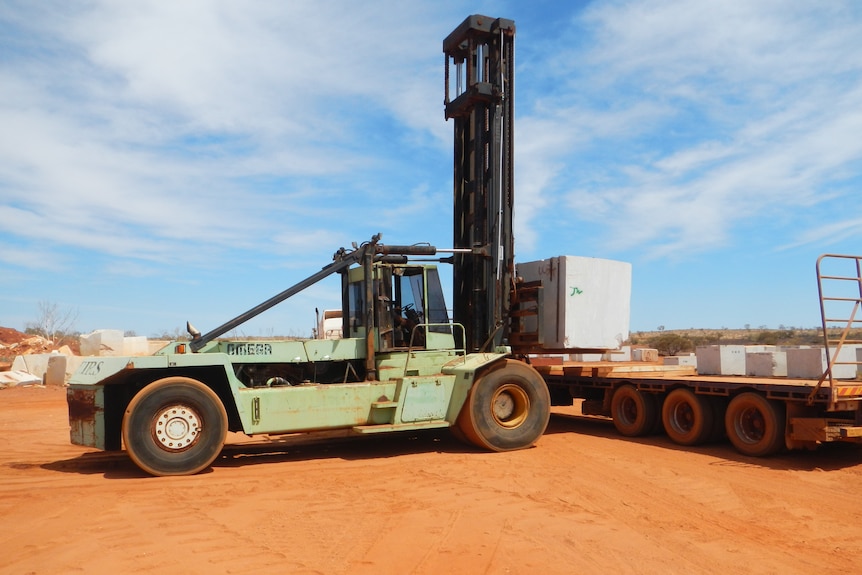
(657, 377)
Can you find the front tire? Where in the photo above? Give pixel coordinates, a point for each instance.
(506, 409)
(174, 426)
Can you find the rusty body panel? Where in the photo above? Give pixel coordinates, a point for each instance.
(86, 416)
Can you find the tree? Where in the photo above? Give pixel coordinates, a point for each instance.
(767, 338)
(671, 343)
(53, 321)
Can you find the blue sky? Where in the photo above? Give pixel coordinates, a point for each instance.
(171, 161)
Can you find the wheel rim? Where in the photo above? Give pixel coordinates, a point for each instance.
(682, 417)
(176, 428)
(750, 425)
(510, 406)
(628, 411)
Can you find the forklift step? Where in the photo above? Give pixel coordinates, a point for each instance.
(387, 427)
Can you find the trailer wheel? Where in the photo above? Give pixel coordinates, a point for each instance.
(174, 426)
(635, 413)
(507, 408)
(688, 418)
(755, 425)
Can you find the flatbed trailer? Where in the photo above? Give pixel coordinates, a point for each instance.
(759, 415)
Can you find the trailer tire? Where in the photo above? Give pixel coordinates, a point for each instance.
(507, 408)
(755, 425)
(174, 426)
(688, 418)
(635, 413)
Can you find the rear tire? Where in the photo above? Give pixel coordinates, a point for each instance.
(507, 408)
(635, 413)
(688, 418)
(755, 425)
(174, 426)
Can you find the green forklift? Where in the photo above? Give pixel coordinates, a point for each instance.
(402, 364)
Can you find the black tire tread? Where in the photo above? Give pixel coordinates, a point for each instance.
(476, 423)
(647, 406)
(137, 437)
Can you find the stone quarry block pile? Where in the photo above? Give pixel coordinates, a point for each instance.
(34, 360)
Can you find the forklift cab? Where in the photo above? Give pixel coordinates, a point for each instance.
(407, 307)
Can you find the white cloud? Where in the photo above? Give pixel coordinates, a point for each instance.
(147, 139)
(829, 234)
(145, 124)
(701, 117)
(270, 69)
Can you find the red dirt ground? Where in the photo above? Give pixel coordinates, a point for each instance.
(9, 335)
(583, 501)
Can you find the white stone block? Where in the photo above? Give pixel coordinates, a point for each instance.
(136, 345)
(155, 345)
(52, 368)
(623, 354)
(806, 363)
(102, 342)
(55, 374)
(846, 368)
(645, 354)
(35, 364)
(760, 348)
(721, 359)
(586, 301)
(586, 357)
(18, 378)
(766, 364)
(690, 359)
(811, 363)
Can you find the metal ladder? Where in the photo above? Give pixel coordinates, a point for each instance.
(839, 284)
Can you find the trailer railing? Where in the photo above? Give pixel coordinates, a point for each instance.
(839, 285)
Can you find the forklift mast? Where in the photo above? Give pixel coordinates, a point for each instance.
(480, 100)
